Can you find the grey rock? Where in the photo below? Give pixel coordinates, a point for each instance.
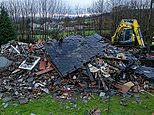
(23, 101)
(67, 107)
(6, 99)
(15, 104)
(16, 93)
(31, 79)
(5, 105)
(20, 80)
(29, 88)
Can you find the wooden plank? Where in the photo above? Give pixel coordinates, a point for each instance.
(44, 71)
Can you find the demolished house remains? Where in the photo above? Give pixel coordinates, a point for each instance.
(70, 67)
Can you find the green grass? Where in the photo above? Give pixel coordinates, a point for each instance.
(65, 34)
(46, 104)
(87, 32)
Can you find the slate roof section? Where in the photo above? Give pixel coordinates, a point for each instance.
(73, 52)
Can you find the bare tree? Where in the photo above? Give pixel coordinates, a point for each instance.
(24, 14)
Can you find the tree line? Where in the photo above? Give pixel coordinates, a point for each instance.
(24, 13)
(123, 9)
(105, 15)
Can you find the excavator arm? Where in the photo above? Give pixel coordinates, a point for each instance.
(138, 34)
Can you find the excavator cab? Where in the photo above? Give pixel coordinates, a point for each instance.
(126, 36)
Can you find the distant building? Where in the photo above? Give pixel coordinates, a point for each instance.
(52, 26)
(80, 27)
(34, 26)
(69, 28)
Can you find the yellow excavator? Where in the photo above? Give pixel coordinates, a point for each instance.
(128, 33)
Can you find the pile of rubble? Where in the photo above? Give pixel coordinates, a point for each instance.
(110, 76)
(25, 71)
(29, 70)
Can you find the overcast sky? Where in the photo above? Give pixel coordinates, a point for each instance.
(84, 4)
(81, 3)
(73, 3)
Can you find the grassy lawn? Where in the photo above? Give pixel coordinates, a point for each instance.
(65, 34)
(46, 105)
(87, 32)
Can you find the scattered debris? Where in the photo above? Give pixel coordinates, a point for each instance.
(19, 79)
(76, 66)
